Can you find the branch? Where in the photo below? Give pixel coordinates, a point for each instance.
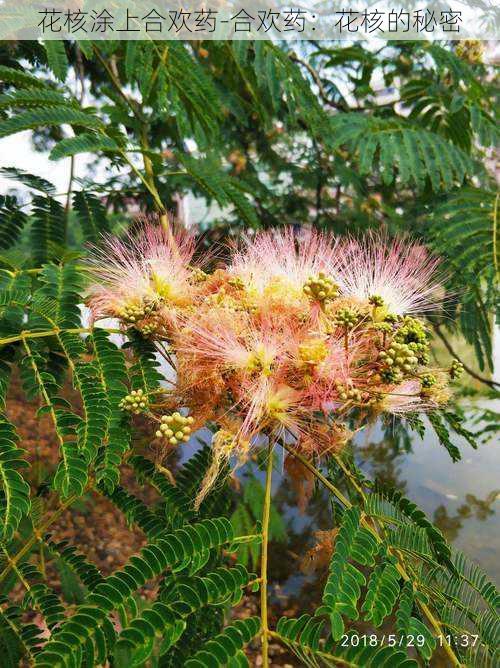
(327, 100)
(22, 336)
(486, 381)
(38, 533)
(317, 80)
(117, 84)
(266, 513)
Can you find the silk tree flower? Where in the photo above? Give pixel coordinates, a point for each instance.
(403, 398)
(136, 277)
(231, 341)
(251, 357)
(401, 274)
(297, 337)
(274, 268)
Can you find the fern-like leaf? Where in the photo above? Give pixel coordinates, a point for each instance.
(15, 501)
(225, 646)
(178, 507)
(382, 592)
(110, 363)
(48, 229)
(20, 78)
(56, 58)
(343, 588)
(12, 221)
(115, 590)
(416, 154)
(92, 216)
(85, 142)
(409, 625)
(29, 120)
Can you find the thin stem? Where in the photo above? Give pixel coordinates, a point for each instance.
(148, 168)
(136, 109)
(38, 534)
(16, 570)
(117, 84)
(495, 242)
(67, 206)
(331, 487)
(328, 657)
(51, 332)
(167, 473)
(266, 513)
(152, 191)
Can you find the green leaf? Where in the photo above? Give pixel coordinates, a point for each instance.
(178, 505)
(15, 501)
(107, 595)
(111, 366)
(343, 588)
(29, 120)
(19, 77)
(48, 229)
(225, 646)
(166, 619)
(304, 637)
(35, 97)
(382, 592)
(92, 216)
(30, 180)
(12, 646)
(57, 58)
(408, 625)
(417, 153)
(12, 221)
(87, 572)
(83, 143)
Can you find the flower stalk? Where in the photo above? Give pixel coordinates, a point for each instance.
(266, 513)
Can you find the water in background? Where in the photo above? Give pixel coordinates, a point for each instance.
(461, 498)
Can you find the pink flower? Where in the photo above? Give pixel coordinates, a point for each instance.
(401, 271)
(274, 266)
(139, 273)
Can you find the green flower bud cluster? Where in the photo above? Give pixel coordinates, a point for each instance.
(149, 329)
(175, 428)
(399, 360)
(321, 288)
(346, 317)
(384, 327)
(392, 318)
(136, 402)
(198, 275)
(456, 369)
(132, 313)
(411, 331)
(427, 380)
(346, 393)
(421, 351)
(236, 282)
(376, 300)
(374, 400)
(392, 375)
